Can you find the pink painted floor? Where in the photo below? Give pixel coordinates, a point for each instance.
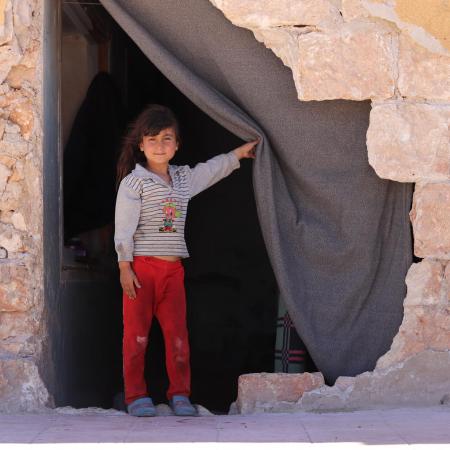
(426, 427)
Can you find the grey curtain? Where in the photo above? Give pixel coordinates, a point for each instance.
(337, 236)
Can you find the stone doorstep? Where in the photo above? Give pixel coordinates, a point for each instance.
(264, 392)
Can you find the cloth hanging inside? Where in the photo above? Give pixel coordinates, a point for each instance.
(90, 158)
(338, 237)
(291, 355)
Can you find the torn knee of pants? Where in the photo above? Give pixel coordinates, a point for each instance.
(180, 350)
(142, 340)
(178, 343)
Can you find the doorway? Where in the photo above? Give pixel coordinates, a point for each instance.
(232, 297)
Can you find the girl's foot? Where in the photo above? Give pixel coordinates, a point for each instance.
(181, 406)
(142, 407)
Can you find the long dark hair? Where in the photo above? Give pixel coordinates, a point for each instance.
(149, 122)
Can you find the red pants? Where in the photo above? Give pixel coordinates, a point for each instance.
(161, 295)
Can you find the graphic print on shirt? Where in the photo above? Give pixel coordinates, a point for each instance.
(170, 211)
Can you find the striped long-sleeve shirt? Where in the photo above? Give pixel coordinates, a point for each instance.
(151, 214)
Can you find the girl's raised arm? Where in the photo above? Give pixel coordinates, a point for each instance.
(205, 174)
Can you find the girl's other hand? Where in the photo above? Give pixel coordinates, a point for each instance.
(247, 150)
(128, 279)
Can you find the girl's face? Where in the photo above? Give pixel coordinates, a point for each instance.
(161, 148)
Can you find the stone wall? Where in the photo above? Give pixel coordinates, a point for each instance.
(397, 54)
(21, 269)
(394, 52)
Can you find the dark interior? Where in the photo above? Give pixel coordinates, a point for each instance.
(232, 295)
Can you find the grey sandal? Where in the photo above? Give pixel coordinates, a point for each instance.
(142, 407)
(181, 406)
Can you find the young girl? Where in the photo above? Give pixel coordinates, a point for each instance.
(151, 211)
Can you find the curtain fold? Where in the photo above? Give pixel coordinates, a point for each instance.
(338, 237)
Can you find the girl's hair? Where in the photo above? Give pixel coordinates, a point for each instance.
(149, 122)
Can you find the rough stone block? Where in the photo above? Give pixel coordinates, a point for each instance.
(344, 383)
(17, 173)
(6, 22)
(9, 57)
(283, 41)
(31, 56)
(426, 322)
(409, 142)
(20, 348)
(335, 64)
(13, 149)
(267, 13)
(11, 239)
(23, 115)
(5, 173)
(22, 16)
(10, 197)
(22, 13)
(21, 388)
(20, 74)
(263, 391)
(7, 161)
(353, 10)
(15, 293)
(16, 326)
(430, 216)
(8, 96)
(422, 74)
(18, 221)
(425, 281)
